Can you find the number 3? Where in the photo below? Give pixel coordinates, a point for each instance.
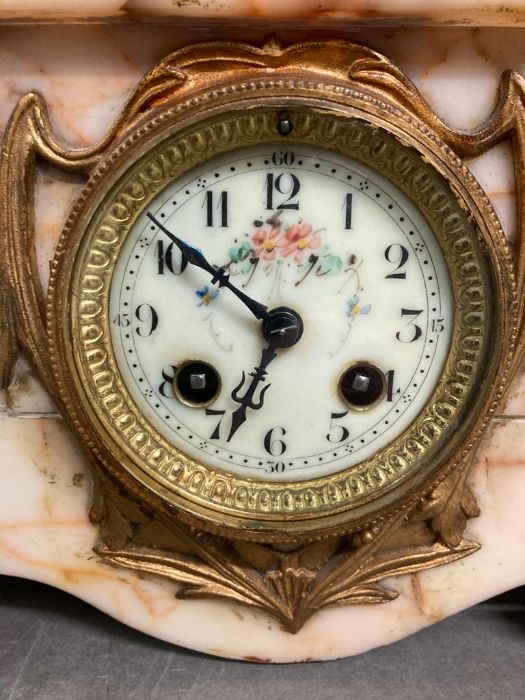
(416, 330)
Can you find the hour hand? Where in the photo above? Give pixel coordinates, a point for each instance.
(248, 399)
(219, 275)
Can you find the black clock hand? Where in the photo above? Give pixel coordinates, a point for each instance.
(247, 401)
(219, 275)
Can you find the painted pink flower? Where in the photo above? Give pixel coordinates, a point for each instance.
(267, 242)
(298, 239)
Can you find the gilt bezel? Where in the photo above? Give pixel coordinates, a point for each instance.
(357, 125)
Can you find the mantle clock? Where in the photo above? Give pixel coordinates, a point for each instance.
(280, 320)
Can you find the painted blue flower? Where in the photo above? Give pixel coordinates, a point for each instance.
(353, 308)
(207, 295)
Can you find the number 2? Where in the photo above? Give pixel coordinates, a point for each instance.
(400, 260)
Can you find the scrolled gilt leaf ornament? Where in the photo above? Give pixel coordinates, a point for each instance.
(339, 544)
(289, 582)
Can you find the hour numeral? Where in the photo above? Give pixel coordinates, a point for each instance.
(146, 314)
(217, 430)
(221, 207)
(274, 445)
(338, 433)
(166, 387)
(285, 184)
(347, 206)
(390, 391)
(415, 331)
(275, 468)
(398, 255)
(169, 258)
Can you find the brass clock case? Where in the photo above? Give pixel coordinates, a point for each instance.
(284, 549)
(169, 142)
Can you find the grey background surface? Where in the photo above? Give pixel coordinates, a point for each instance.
(53, 646)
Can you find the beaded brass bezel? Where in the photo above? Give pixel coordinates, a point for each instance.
(142, 167)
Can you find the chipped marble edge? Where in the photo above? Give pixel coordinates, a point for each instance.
(33, 545)
(324, 13)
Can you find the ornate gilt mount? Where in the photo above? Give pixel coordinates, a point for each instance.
(291, 574)
(291, 581)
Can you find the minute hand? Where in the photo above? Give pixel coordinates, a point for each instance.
(219, 275)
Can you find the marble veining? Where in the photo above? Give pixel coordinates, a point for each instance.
(45, 535)
(86, 74)
(489, 13)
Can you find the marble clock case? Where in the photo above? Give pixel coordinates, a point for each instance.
(85, 70)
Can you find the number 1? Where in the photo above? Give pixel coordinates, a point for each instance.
(348, 211)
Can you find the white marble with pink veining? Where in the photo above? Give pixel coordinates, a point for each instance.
(86, 73)
(452, 12)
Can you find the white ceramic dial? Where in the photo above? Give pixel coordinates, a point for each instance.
(302, 228)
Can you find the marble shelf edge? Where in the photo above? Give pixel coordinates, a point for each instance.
(386, 12)
(45, 535)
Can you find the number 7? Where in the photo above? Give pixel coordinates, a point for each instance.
(216, 433)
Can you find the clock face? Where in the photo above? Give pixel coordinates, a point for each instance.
(336, 244)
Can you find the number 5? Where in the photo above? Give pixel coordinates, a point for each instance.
(338, 433)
